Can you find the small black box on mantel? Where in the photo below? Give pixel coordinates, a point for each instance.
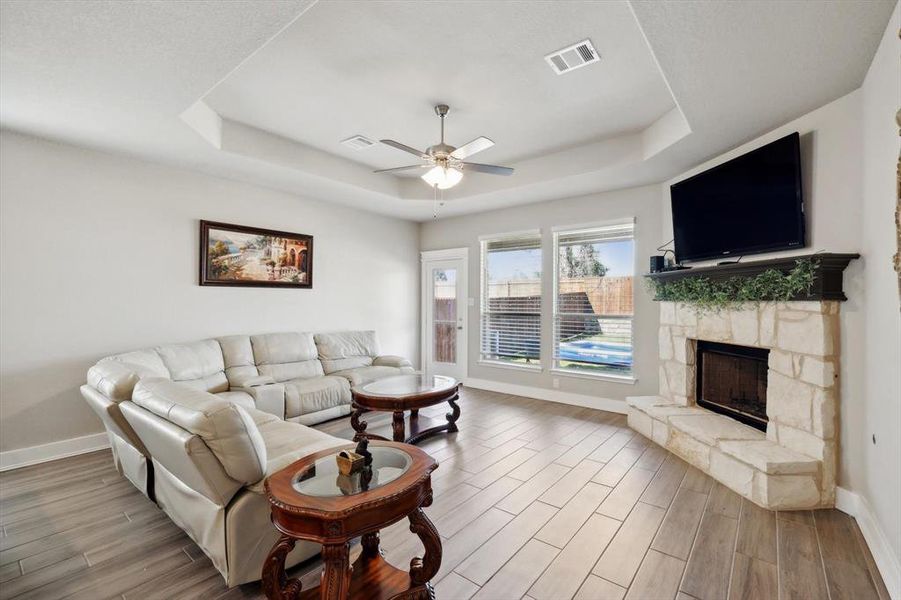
(657, 264)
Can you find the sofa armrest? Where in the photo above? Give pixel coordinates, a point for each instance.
(267, 397)
(113, 379)
(388, 360)
(251, 381)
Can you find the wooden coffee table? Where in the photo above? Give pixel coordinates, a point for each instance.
(406, 393)
(311, 500)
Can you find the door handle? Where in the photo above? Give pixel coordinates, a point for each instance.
(460, 327)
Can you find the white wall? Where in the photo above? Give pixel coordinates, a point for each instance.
(849, 150)
(876, 467)
(99, 254)
(641, 203)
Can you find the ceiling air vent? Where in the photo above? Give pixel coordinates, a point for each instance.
(572, 57)
(358, 142)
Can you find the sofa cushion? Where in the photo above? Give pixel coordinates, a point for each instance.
(198, 365)
(346, 349)
(229, 431)
(237, 356)
(364, 375)
(242, 399)
(287, 442)
(286, 356)
(304, 396)
(388, 360)
(115, 376)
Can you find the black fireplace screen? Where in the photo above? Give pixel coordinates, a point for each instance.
(732, 380)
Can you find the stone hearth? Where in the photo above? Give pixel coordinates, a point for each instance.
(792, 465)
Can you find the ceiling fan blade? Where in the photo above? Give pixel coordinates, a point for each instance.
(470, 148)
(492, 169)
(407, 168)
(405, 148)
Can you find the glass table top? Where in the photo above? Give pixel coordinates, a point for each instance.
(324, 480)
(408, 385)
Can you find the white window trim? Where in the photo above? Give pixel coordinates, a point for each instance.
(496, 364)
(575, 373)
(491, 237)
(556, 231)
(592, 225)
(483, 242)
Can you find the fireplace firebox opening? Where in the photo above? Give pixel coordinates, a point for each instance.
(731, 380)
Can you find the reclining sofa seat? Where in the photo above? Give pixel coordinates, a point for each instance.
(283, 372)
(210, 459)
(197, 365)
(356, 356)
(294, 376)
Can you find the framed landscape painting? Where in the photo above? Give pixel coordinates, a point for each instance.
(236, 255)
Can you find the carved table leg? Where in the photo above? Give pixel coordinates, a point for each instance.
(335, 581)
(453, 416)
(423, 569)
(276, 584)
(370, 544)
(398, 426)
(358, 425)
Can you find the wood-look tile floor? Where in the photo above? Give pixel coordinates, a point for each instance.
(533, 500)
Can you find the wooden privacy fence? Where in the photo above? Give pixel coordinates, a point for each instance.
(606, 295)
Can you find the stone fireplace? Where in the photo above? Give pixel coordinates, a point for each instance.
(749, 396)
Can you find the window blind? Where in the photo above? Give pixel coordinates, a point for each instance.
(593, 296)
(511, 300)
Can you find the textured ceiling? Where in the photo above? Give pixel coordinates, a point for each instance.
(377, 69)
(275, 84)
(736, 67)
(97, 69)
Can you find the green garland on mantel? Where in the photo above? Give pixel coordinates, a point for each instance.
(771, 285)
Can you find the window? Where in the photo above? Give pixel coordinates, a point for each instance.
(593, 310)
(511, 300)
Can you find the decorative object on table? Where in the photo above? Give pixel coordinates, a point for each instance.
(362, 451)
(235, 255)
(365, 477)
(406, 393)
(307, 505)
(354, 483)
(346, 484)
(349, 462)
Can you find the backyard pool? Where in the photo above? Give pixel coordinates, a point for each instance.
(601, 353)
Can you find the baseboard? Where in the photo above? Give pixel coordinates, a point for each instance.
(23, 457)
(527, 391)
(889, 566)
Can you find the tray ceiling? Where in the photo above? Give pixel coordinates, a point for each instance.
(263, 91)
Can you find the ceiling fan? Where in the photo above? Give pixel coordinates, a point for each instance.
(444, 162)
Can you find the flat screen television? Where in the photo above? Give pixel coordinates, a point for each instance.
(748, 205)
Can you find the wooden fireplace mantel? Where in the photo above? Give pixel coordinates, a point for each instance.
(827, 283)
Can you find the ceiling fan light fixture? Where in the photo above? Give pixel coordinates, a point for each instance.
(443, 177)
(444, 162)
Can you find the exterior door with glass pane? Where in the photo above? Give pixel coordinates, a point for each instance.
(444, 314)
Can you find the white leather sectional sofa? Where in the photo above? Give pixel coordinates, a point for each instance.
(197, 427)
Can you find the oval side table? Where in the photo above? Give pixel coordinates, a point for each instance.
(310, 500)
(406, 393)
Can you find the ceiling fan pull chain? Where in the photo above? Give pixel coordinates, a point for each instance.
(435, 203)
